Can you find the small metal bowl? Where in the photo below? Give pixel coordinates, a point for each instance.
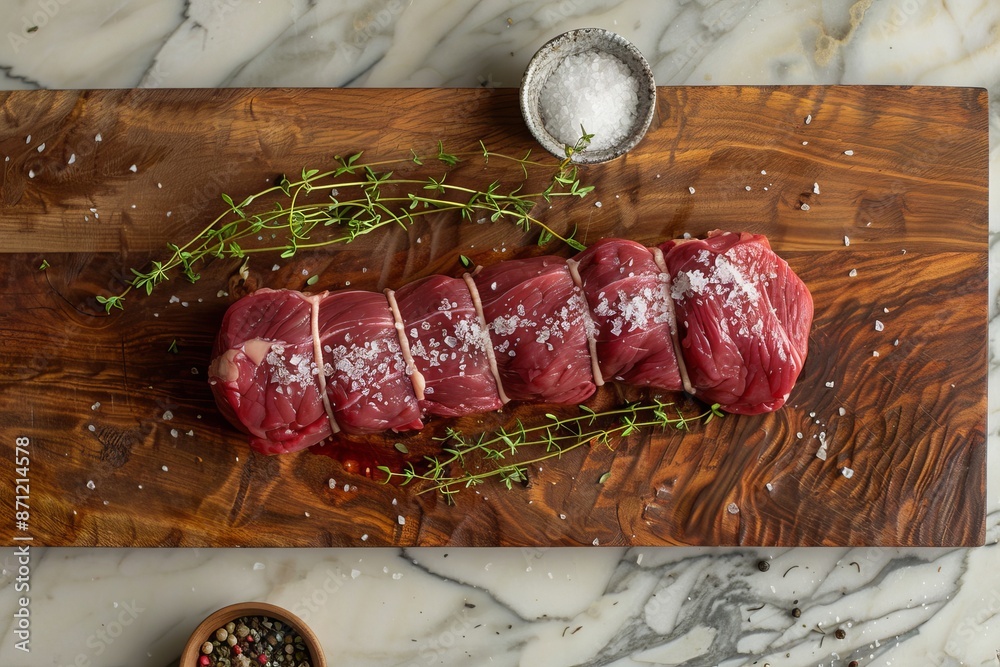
(204, 631)
(544, 63)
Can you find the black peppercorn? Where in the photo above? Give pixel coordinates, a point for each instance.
(840, 634)
(763, 565)
(796, 612)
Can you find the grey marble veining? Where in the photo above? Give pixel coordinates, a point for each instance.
(550, 607)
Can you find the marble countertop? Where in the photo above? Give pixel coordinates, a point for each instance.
(551, 607)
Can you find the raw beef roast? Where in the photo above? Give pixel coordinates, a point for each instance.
(723, 318)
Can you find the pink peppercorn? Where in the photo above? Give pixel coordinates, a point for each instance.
(236, 649)
(204, 661)
(262, 658)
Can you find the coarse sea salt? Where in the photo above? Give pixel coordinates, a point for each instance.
(592, 90)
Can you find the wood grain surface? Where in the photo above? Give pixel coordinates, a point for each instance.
(127, 448)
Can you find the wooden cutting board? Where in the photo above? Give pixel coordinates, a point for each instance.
(877, 197)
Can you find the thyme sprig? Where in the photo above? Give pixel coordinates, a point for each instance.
(322, 208)
(508, 454)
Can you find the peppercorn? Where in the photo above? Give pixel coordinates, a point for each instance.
(852, 663)
(796, 612)
(840, 633)
(763, 565)
(257, 640)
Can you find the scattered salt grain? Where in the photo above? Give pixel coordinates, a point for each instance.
(847, 240)
(258, 566)
(875, 353)
(72, 159)
(401, 520)
(594, 90)
(733, 508)
(364, 538)
(805, 143)
(355, 574)
(307, 514)
(91, 485)
(798, 435)
(769, 486)
(847, 472)
(809, 119)
(174, 299)
(821, 452)
(690, 189)
(41, 147)
(598, 204)
(841, 411)
(830, 384)
(852, 273)
(98, 137)
(332, 483)
(95, 406)
(885, 310)
(764, 172)
(133, 169)
(638, 559)
(596, 542)
(879, 326)
(275, 267)
(164, 468)
(168, 415)
(815, 188)
(27, 139)
(848, 152)
(747, 188)
(31, 173)
(159, 185)
(805, 207)
(174, 433)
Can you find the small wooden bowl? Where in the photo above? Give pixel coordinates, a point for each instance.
(201, 634)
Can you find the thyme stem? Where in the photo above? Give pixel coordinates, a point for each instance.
(500, 453)
(282, 218)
